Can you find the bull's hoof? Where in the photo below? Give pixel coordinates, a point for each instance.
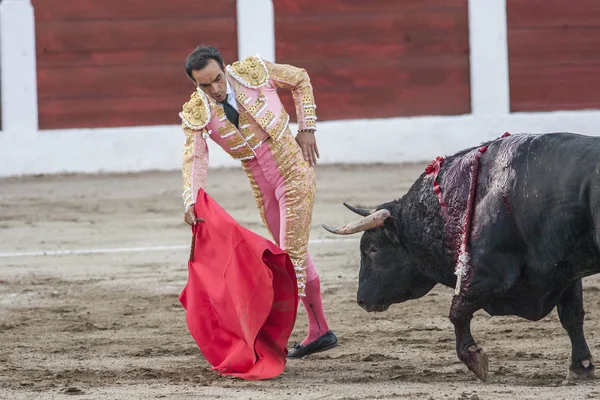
(581, 371)
(478, 362)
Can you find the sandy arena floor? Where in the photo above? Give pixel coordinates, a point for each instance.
(109, 325)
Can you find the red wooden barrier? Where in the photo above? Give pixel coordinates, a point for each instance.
(554, 61)
(116, 63)
(374, 59)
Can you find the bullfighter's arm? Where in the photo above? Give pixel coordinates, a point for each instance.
(195, 116)
(195, 164)
(296, 80)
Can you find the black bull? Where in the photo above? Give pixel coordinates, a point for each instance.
(535, 234)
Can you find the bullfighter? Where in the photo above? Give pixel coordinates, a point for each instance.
(237, 106)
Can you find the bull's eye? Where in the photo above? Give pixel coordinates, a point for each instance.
(373, 249)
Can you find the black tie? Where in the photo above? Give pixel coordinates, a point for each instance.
(232, 115)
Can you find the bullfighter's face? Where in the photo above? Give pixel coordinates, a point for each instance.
(212, 81)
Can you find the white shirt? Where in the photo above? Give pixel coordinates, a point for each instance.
(231, 96)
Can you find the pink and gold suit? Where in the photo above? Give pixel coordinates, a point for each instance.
(283, 183)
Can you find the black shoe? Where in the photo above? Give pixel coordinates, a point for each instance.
(326, 342)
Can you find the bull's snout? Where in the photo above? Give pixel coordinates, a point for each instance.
(372, 306)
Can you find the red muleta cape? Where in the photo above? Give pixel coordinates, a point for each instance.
(241, 296)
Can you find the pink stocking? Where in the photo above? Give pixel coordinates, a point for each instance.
(317, 324)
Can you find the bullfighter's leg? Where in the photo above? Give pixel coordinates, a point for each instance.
(571, 313)
(295, 192)
(283, 184)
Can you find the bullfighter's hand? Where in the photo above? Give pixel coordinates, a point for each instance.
(190, 216)
(308, 144)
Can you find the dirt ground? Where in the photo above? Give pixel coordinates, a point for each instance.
(108, 324)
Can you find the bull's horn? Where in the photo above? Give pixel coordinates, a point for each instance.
(360, 211)
(368, 222)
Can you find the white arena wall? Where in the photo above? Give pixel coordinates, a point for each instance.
(24, 149)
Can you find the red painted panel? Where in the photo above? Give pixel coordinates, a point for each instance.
(411, 49)
(113, 81)
(379, 59)
(554, 62)
(121, 63)
(355, 26)
(111, 112)
(388, 35)
(345, 77)
(386, 102)
(556, 87)
(60, 10)
(346, 7)
(555, 46)
(529, 14)
(155, 34)
(140, 58)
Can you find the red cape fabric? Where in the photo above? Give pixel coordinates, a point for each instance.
(241, 297)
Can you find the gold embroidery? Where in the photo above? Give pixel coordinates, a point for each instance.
(195, 113)
(252, 133)
(307, 98)
(250, 72)
(195, 163)
(261, 94)
(257, 107)
(242, 97)
(267, 119)
(282, 124)
(245, 120)
(235, 142)
(186, 166)
(308, 119)
(253, 141)
(309, 112)
(220, 111)
(227, 130)
(243, 154)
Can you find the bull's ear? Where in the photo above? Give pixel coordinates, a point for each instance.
(390, 228)
(392, 225)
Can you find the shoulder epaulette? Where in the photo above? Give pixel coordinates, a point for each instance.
(196, 112)
(250, 72)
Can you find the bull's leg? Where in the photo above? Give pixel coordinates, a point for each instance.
(494, 268)
(571, 313)
(468, 351)
(492, 274)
